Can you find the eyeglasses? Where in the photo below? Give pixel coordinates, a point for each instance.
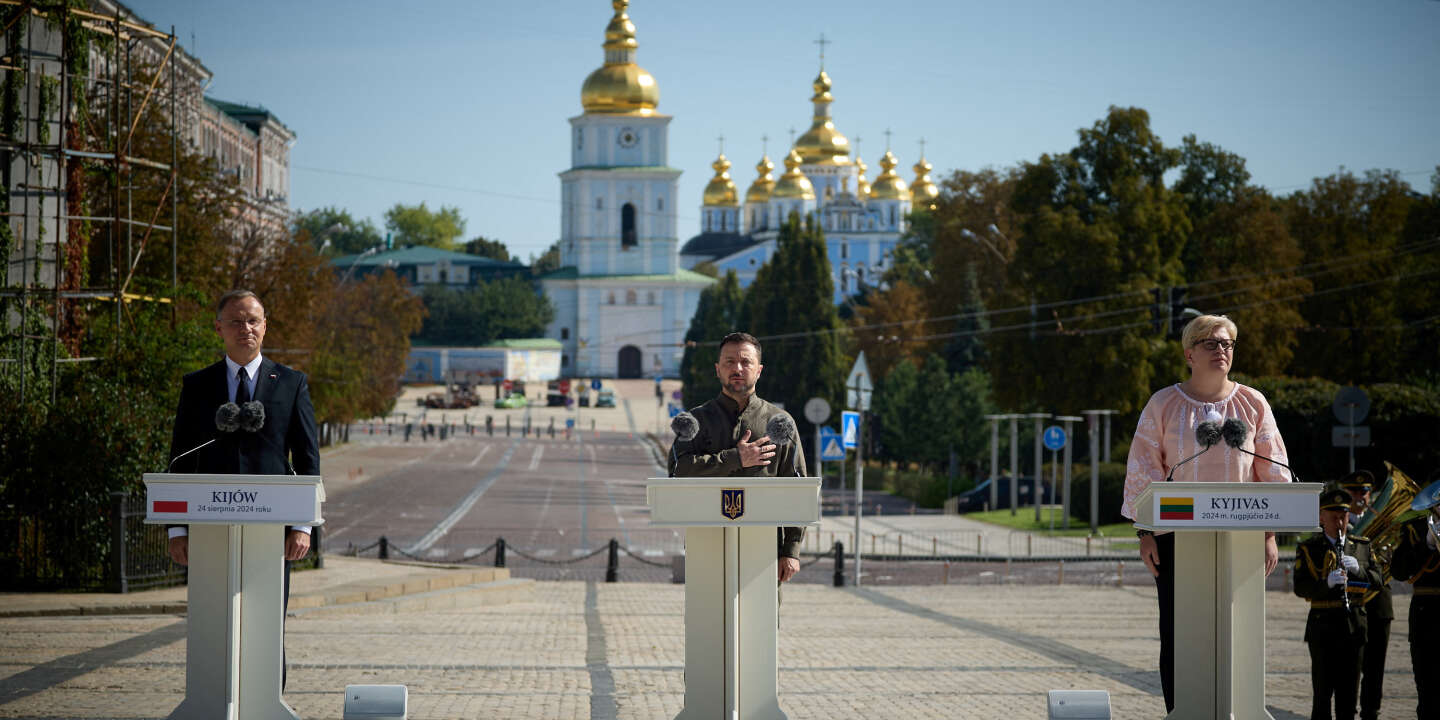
(251, 323)
(1211, 344)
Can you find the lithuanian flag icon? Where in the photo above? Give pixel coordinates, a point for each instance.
(1177, 508)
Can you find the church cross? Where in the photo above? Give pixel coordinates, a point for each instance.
(922, 148)
(764, 144)
(887, 139)
(721, 140)
(822, 42)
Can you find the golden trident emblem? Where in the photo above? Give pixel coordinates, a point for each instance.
(732, 502)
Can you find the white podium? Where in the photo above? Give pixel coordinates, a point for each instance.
(1220, 585)
(235, 612)
(730, 585)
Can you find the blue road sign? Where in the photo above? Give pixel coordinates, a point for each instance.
(1055, 438)
(595, 384)
(674, 409)
(659, 379)
(569, 423)
(831, 447)
(850, 428)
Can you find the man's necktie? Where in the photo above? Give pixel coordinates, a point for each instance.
(242, 390)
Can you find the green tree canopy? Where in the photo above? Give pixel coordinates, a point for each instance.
(419, 225)
(548, 262)
(502, 309)
(334, 231)
(493, 249)
(717, 315)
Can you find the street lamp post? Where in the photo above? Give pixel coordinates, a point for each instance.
(351, 270)
(980, 240)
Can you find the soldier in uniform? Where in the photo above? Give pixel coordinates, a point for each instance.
(1333, 570)
(731, 441)
(1417, 562)
(1379, 611)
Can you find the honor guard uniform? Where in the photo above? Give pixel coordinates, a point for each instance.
(1332, 571)
(1379, 610)
(1417, 562)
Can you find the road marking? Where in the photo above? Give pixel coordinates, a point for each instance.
(476, 461)
(547, 552)
(535, 459)
(464, 507)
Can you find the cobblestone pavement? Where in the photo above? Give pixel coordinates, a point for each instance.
(596, 650)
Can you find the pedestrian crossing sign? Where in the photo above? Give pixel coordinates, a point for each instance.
(850, 428)
(831, 448)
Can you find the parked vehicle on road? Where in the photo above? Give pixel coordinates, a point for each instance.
(511, 401)
(605, 398)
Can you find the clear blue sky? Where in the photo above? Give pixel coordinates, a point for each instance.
(465, 103)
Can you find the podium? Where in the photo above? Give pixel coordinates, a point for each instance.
(1220, 585)
(235, 610)
(731, 585)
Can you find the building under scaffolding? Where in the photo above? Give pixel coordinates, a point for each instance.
(79, 84)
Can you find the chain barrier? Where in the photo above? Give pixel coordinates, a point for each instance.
(448, 561)
(527, 556)
(818, 557)
(652, 563)
(355, 552)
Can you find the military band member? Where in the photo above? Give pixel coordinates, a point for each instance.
(1333, 570)
(1417, 562)
(1379, 612)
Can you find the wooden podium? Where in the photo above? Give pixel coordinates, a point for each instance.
(730, 585)
(235, 611)
(1220, 585)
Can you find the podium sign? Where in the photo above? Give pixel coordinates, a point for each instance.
(237, 574)
(730, 584)
(1220, 585)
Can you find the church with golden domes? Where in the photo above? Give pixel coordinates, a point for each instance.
(622, 301)
(863, 220)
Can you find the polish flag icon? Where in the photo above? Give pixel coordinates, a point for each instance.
(170, 506)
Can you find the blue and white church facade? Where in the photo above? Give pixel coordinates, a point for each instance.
(622, 301)
(863, 221)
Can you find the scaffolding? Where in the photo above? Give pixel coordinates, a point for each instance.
(43, 165)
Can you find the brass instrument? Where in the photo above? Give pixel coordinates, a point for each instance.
(1388, 510)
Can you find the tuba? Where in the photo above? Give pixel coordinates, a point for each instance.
(1381, 522)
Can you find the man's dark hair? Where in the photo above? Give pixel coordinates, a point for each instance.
(237, 294)
(741, 337)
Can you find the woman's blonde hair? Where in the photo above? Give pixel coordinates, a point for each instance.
(1201, 327)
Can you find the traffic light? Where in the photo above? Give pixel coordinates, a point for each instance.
(1159, 311)
(1179, 315)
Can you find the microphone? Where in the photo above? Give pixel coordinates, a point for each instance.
(685, 427)
(175, 459)
(252, 416)
(1236, 433)
(781, 429)
(227, 417)
(1207, 434)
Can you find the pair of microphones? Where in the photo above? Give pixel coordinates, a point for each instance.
(1234, 432)
(780, 429)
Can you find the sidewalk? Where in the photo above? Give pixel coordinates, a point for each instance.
(595, 650)
(343, 581)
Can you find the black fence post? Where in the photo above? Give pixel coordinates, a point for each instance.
(500, 552)
(118, 581)
(612, 567)
(490, 425)
(839, 564)
(316, 537)
(507, 425)
(384, 548)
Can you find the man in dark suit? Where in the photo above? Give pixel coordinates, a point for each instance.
(285, 442)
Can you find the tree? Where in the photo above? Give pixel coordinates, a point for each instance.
(502, 309)
(419, 225)
(716, 315)
(886, 326)
(966, 348)
(1096, 222)
(1349, 228)
(548, 262)
(792, 302)
(493, 249)
(974, 227)
(335, 232)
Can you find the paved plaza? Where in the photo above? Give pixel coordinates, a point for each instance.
(596, 650)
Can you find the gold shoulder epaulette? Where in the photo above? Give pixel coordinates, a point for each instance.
(1360, 539)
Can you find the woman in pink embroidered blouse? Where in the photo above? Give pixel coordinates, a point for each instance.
(1166, 435)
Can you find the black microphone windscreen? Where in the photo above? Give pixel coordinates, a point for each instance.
(685, 427)
(227, 417)
(1207, 433)
(1235, 432)
(252, 416)
(781, 429)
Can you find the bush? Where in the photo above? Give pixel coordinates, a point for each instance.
(924, 489)
(1112, 492)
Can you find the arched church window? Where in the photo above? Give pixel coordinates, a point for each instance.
(564, 333)
(660, 203)
(599, 203)
(859, 276)
(650, 298)
(629, 297)
(844, 251)
(628, 237)
(611, 298)
(892, 214)
(579, 139)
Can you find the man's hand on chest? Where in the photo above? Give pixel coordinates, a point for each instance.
(755, 454)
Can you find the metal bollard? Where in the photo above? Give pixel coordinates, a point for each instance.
(839, 562)
(1120, 575)
(612, 566)
(384, 542)
(943, 581)
(507, 424)
(1061, 581)
(490, 425)
(499, 550)
(317, 536)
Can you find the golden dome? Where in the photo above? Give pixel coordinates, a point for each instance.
(721, 191)
(889, 186)
(862, 185)
(923, 192)
(759, 191)
(793, 184)
(822, 144)
(620, 86)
